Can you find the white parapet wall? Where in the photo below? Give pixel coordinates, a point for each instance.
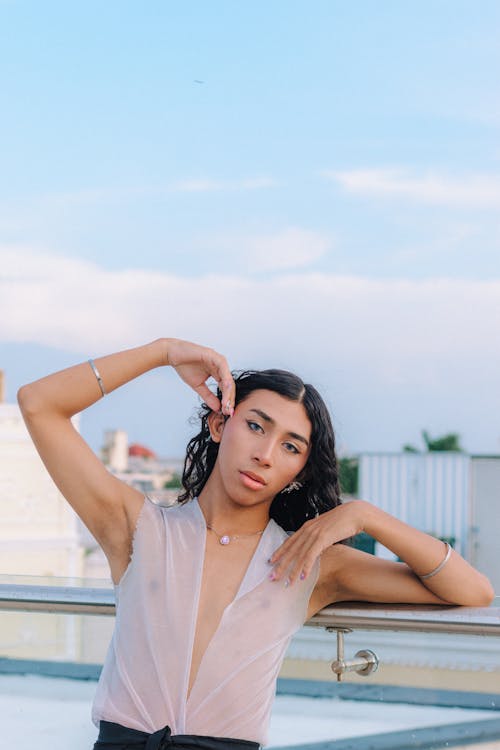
(38, 537)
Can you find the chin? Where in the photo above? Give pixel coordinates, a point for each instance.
(249, 498)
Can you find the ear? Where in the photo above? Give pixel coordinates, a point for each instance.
(216, 421)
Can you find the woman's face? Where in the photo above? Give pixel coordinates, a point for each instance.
(268, 437)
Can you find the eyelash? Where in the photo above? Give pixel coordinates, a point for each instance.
(250, 422)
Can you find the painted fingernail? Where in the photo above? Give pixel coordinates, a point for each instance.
(302, 576)
(287, 582)
(272, 576)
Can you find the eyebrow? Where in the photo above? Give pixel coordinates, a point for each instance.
(269, 419)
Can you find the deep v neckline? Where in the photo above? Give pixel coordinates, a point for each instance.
(252, 576)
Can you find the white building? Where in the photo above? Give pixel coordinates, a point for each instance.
(38, 528)
(142, 469)
(38, 537)
(446, 494)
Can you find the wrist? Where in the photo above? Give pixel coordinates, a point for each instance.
(161, 346)
(369, 517)
(357, 510)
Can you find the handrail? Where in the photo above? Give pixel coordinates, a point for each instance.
(86, 600)
(422, 618)
(409, 617)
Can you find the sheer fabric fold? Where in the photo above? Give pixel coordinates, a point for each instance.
(144, 680)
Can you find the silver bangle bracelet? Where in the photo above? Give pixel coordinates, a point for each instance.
(441, 564)
(96, 373)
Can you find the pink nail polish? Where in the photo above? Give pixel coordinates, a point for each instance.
(302, 576)
(272, 576)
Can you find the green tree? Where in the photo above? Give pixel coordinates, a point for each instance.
(407, 448)
(448, 442)
(173, 483)
(348, 475)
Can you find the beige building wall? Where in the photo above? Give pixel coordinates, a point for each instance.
(38, 528)
(406, 675)
(38, 537)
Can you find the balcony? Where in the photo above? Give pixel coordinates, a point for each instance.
(55, 633)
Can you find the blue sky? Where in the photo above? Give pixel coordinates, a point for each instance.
(308, 185)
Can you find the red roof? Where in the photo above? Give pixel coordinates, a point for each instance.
(140, 450)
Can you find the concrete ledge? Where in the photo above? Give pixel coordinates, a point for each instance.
(429, 738)
(68, 669)
(389, 694)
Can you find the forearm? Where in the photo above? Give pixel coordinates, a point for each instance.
(457, 581)
(75, 388)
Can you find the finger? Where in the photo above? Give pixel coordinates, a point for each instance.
(208, 397)
(301, 567)
(228, 389)
(219, 370)
(282, 567)
(283, 549)
(304, 530)
(307, 545)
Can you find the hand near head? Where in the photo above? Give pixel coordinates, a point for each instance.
(195, 364)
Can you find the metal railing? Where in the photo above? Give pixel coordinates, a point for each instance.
(97, 597)
(432, 618)
(428, 618)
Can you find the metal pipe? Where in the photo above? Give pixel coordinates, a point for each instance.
(353, 616)
(416, 618)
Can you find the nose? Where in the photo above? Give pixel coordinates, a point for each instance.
(263, 453)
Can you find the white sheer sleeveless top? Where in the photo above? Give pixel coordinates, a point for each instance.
(144, 680)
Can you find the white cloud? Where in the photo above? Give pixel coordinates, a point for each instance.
(474, 190)
(288, 248)
(396, 324)
(390, 356)
(111, 194)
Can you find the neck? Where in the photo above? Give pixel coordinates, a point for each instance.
(231, 515)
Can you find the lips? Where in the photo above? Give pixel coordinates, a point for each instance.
(253, 476)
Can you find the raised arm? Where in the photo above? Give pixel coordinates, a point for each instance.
(107, 506)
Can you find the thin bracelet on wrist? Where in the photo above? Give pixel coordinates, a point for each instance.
(98, 376)
(440, 566)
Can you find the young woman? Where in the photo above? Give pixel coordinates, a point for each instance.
(210, 591)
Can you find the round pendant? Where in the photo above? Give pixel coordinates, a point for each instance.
(224, 539)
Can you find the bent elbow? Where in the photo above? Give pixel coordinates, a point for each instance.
(483, 595)
(27, 400)
(488, 594)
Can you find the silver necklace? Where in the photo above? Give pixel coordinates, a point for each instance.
(225, 538)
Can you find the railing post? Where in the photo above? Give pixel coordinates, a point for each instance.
(364, 663)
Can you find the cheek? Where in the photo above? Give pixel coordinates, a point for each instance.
(302, 463)
(230, 444)
(229, 435)
(235, 435)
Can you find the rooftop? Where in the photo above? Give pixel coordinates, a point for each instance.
(52, 713)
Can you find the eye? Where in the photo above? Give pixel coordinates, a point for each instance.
(255, 424)
(295, 450)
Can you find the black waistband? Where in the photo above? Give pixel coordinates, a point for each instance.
(115, 734)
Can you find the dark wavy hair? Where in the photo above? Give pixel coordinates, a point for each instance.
(320, 489)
